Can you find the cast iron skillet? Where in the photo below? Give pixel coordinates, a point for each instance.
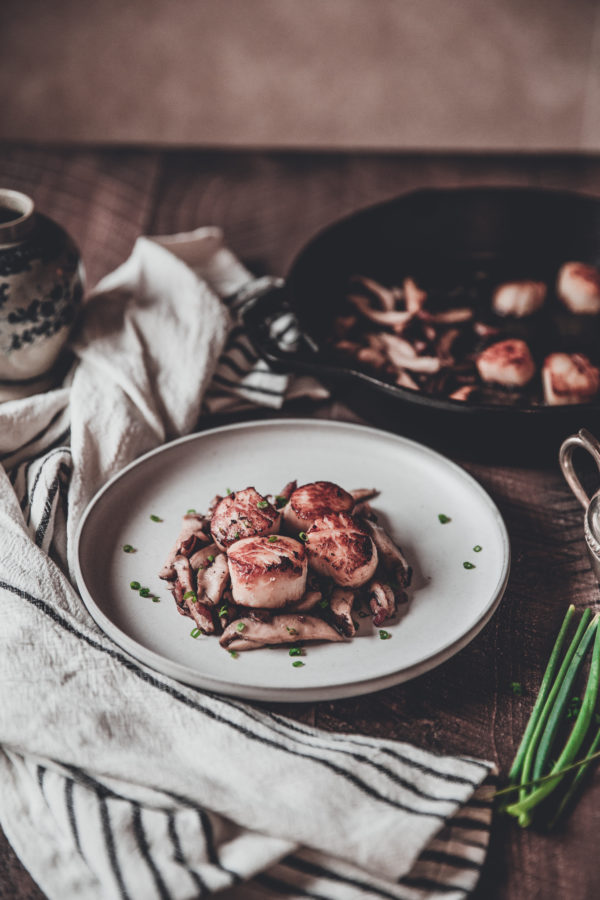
(508, 232)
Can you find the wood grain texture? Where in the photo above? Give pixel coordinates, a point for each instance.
(268, 205)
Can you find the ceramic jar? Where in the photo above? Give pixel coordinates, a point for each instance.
(41, 288)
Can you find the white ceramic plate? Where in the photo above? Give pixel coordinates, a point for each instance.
(449, 604)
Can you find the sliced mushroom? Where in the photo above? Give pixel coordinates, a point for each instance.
(403, 355)
(213, 579)
(390, 318)
(200, 558)
(382, 601)
(386, 296)
(190, 537)
(448, 316)
(415, 298)
(403, 379)
(249, 633)
(340, 610)
(200, 611)
(390, 555)
(361, 494)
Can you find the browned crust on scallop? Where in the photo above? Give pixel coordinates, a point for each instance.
(239, 515)
(310, 501)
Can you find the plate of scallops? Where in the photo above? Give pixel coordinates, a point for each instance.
(292, 560)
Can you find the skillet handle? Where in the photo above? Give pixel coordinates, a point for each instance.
(271, 325)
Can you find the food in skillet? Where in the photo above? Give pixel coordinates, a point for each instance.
(266, 570)
(517, 342)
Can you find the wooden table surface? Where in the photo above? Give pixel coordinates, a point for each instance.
(268, 205)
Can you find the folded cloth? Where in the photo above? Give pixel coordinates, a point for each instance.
(117, 781)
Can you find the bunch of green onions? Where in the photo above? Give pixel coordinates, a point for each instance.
(542, 771)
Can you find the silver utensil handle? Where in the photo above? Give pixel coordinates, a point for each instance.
(586, 441)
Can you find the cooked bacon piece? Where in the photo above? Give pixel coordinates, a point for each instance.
(200, 611)
(310, 501)
(390, 555)
(569, 378)
(519, 298)
(243, 514)
(340, 609)
(249, 633)
(579, 288)
(191, 536)
(382, 602)
(508, 363)
(267, 574)
(340, 548)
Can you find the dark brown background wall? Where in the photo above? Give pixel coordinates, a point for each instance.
(398, 74)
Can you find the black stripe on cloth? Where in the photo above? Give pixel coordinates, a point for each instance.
(467, 822)
(393, 776)
(244, 348)
(430, 884)
(29, 497)
(246, 387)
(275, 884)
(43, 526)
(36, 437)
(207, 830)
(231, 364)
(142, 842)
(12, 475)
(179, 857)
(309, 868)
(69, 788)
(40, 773)
(25, 497)
(395, 754)
(449, 859)
(131, 666)
(109, 841)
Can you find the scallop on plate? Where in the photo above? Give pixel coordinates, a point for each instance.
(449, 529)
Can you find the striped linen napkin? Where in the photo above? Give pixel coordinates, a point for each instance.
(116, 781)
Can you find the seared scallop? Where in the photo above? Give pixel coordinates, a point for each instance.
(579, 288)
(340, 548)
(243, 514)
(519, 298)
(508, 363)
(310, 501)
(569, 378)
(267, 572)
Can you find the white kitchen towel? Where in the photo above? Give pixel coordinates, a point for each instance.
(116, 781)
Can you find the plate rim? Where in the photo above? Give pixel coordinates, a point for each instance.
(188, 676)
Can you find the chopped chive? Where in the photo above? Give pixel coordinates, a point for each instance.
(280, 501)
(262, 504)
(297, 663)
(324, 603)
(468, 565)
(156, 599)
(227, 491)
(237, 535)
(134, 585)
(240, 626)
(444, 519)
(156, 518)
(223, 611)
(295, 651)
(362, 614)
(233, 654)
(477, 548)
(384, 635)
(291, 630)
(273, 538)
(517, 688)
(127, 548)
(189, 595)
(144, 592)
(210, 558)
(195, 632)
(303, 536)
(191, 512)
